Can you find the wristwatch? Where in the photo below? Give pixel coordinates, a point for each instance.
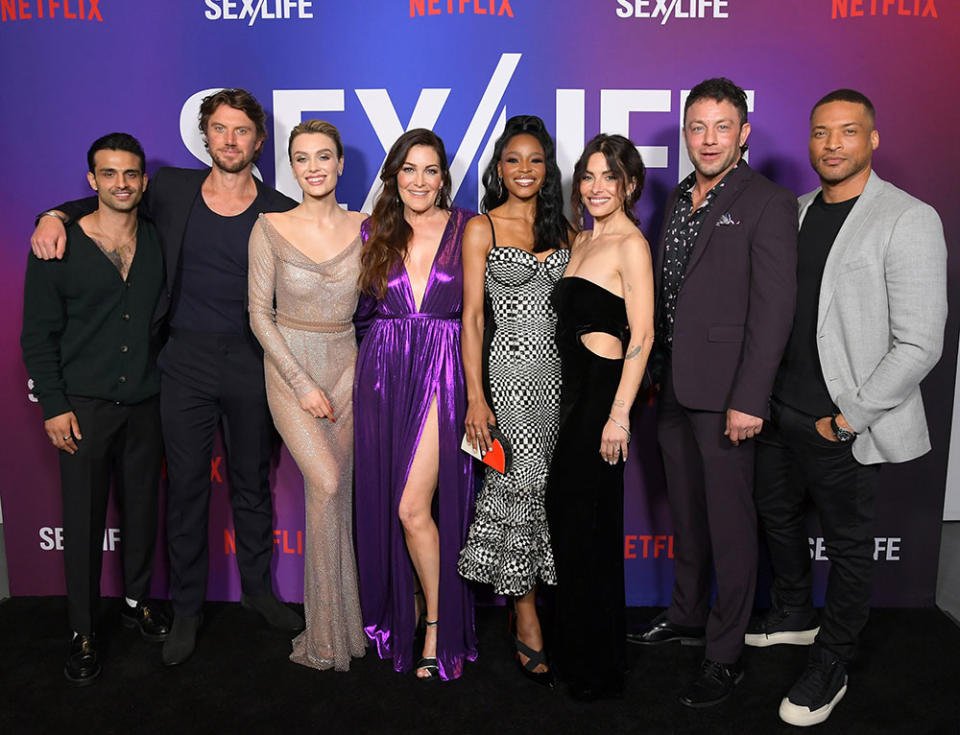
(843, 435)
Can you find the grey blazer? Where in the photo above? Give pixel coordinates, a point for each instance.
(881, 317)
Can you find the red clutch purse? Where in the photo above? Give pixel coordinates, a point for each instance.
(499, 456)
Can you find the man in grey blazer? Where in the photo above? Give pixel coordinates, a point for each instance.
(871, 308)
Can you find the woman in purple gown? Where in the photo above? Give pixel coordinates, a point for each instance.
(414, 487)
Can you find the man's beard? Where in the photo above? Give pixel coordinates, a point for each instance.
(231, 168)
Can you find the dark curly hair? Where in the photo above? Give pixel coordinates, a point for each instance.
(550, 226)
(626, 164)
(389, 231)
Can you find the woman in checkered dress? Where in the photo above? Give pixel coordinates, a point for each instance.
(512, 257)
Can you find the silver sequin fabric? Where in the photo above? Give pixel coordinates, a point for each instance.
(308, 341)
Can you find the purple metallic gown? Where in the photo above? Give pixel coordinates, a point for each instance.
(406, 359)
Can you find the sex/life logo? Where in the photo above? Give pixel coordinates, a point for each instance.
(50, 10)
(616, 107)
(885, 548)
(664, 10)
(251, 11)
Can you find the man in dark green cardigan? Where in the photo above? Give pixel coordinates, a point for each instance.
(88, 347)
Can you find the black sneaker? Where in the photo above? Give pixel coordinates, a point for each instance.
(812, 699)
(795, 627)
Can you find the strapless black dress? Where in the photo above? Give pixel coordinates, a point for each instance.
(585, 497)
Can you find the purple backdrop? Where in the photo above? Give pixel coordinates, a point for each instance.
(461, 67)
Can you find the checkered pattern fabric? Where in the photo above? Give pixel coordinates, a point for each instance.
(508, 545)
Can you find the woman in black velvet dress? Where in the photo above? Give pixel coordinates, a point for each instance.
(604, 306)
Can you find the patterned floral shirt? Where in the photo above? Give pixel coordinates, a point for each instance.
(682, 232)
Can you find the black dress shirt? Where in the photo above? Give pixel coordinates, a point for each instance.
(681, 234)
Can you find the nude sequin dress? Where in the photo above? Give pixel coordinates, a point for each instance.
(308, 342)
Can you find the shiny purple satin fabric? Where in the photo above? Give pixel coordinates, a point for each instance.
(406, 359)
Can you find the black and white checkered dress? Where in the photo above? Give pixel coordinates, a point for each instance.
(508, 545)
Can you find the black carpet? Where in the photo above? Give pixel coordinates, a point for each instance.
(239, 680)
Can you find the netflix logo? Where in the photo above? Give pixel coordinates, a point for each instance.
(419, 8)
(50, 10)
(647, 546)
(287, 542)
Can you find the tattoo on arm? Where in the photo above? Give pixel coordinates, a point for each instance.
(634, 352)
(629, 287)
(619, 403)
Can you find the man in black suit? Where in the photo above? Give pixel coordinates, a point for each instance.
(211, 366)
(726, 284)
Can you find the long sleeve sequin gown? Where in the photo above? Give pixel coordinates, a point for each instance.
(408, 359)
(308, 342)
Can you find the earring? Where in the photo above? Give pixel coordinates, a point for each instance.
(499, 186)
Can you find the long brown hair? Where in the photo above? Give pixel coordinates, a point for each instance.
(388, 230)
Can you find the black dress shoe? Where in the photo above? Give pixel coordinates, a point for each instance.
(150, 619)
(181, 640)
(713, 684)
(275, 613)
(662, 631)
(82, 666)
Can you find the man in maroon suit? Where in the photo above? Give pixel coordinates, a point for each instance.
(726, 290)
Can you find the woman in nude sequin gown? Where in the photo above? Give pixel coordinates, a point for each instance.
(308, 259)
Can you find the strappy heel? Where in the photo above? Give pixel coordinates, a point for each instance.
(428, 663)
(534, 658)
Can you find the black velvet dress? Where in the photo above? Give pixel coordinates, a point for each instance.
(585, 497)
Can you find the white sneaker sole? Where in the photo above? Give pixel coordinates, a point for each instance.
(803, 716)
(790, 637)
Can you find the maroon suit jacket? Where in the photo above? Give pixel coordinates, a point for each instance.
(735, 307)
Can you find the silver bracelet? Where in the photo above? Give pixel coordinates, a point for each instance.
(51, 213)
(621, 426)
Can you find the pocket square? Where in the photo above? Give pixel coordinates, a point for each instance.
(726, 219)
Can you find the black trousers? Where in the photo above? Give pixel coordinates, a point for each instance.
(208, 380)
(122, 442)
(796, 465)
(710, 492)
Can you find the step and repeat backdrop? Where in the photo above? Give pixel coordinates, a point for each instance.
(76, 69)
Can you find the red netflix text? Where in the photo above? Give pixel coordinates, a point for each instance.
(50, 9)
(860, 8)
(287, 542)
(460, 7)
(647, 547)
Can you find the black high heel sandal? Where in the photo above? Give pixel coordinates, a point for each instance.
(534, 658)
(428, 663)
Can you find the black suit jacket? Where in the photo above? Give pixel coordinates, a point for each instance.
(735, 308)
(168, 201)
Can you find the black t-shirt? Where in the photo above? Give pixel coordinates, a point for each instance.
(212, 283)
(799, 383)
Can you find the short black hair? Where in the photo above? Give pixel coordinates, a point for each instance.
(719, 89)
(847, 95)
(117, 142)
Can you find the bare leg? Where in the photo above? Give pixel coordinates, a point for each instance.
(420, 531)
(528, 626)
